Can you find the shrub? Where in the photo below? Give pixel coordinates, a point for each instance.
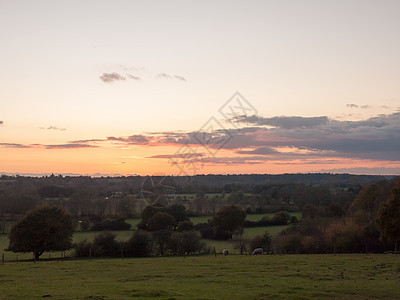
(139, 245)
(262, 241)
(280, 218)
(161, 221)
(83, 248)
(185, 226)
(206, 230)
(185, 243)
(106, 245)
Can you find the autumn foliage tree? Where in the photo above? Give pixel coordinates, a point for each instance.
(45, 228)
(228, 220)
(388, 218)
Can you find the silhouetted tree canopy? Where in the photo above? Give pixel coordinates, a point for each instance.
(228, 220)
(42, 229)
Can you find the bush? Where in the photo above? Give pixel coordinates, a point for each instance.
(290, 243)
(185, 243)
(109, 224)
(185, 226)
(280, 218)
(262, 241)
(83, 248)
(161, 221)
(106, 245)
(139, 245)
(206, 230)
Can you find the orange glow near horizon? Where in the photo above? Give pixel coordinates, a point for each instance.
(131, 160)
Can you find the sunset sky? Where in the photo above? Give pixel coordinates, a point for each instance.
(199, 87)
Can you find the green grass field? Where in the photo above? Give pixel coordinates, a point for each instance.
(207, 277)
(125, 235)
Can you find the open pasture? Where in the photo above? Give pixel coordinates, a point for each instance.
(206, 277)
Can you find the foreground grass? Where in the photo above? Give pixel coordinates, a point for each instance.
(206, 277)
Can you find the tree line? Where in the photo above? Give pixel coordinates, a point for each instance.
(122, 197)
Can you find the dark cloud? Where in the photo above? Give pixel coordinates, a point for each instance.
(259, 151)
(213, 160)
(179, 156)
(13, 145)
(1, 122)
(132, 77)
(374, 138)
(69, 146)
(87, 141)
(283, 121)
(287, 139)
(111, 77)
(131, 140)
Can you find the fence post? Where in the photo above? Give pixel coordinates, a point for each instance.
(2, 258)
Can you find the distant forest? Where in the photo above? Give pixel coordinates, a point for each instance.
(122, 197)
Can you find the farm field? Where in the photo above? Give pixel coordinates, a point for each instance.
(207, 277)
(125, 235)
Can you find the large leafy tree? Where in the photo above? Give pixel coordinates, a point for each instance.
(228, 220)
(45, 228)
(161, 221)
(389, 217)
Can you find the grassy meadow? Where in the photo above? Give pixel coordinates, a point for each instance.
(206, 277)
(125, 235)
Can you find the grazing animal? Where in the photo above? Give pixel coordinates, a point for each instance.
(257, 251)
(225, 252)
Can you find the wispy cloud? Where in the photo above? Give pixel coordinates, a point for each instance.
(60, 146)
(167, 76)
(69, 146)
(351, 105)
(111, 77)
(54, 128)
(13, 145)
(130, 76)
(179, 156)
(180, 77)
(133, 139)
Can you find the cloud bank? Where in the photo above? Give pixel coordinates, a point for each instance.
(286, 140)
